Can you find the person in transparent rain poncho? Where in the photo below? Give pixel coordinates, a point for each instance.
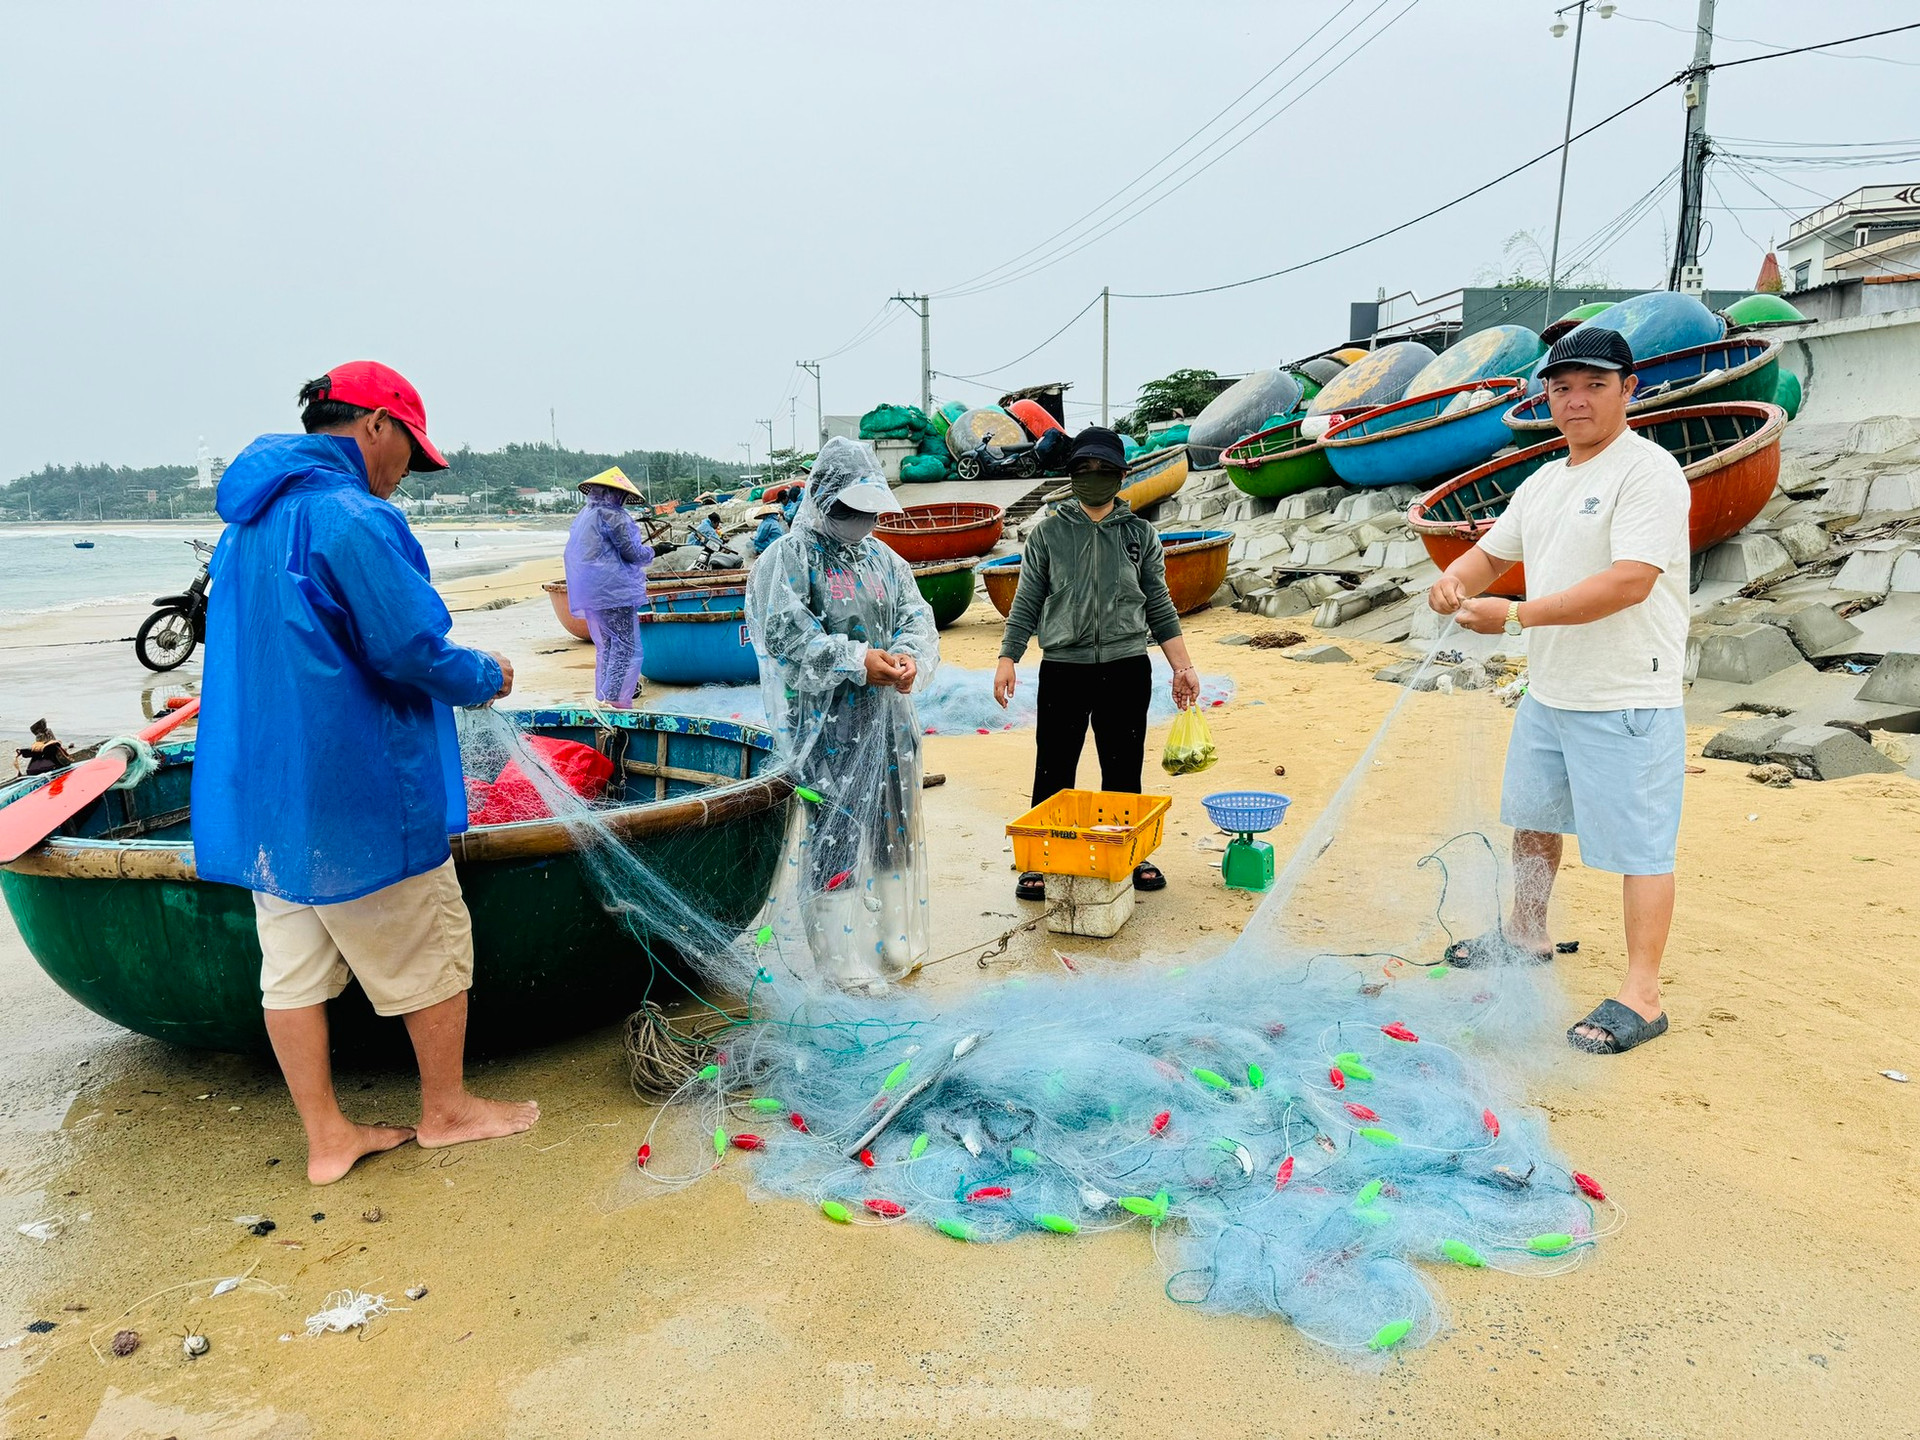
(844, 639)
(607, 561)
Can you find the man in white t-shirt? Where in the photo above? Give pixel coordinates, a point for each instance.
(1599, 742)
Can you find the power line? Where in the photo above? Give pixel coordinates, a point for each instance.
(1404, 224)
(980, 374)
(1822, 45)
(1213, 120)
(1143, 203)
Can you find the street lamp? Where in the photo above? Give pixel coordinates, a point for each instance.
(1559, 28)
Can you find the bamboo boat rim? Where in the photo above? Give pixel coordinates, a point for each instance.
(1502, 389)
(1233, 457)
(1767, 434)
(1668, 399)
(72, 858)
(944, 567)
(1144, 466)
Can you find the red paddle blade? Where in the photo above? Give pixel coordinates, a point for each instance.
(37, 814)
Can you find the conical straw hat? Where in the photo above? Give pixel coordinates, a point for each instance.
(613, 478)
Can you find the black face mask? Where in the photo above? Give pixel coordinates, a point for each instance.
(1094, 488)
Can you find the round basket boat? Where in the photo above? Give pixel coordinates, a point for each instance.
(658, 584)
(1418, 439)
(1196, 568)
(1276, 462)
(952, 530)
(115, 912)
(1153, 477)
(697, 637)
(1729, 453)
(1745, 367)
(947, 586)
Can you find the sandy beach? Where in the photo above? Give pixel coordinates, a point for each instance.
(1764, 1282)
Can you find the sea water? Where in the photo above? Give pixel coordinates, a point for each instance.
(41, 571)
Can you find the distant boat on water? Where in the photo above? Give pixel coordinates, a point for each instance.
(83, 544)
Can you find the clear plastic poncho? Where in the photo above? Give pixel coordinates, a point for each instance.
(606, 557)
(815, 606)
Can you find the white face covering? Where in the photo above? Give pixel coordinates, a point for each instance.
(847, 525)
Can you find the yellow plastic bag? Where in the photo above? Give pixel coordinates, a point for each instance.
(1189, 744)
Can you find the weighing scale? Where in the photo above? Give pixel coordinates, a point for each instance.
(1245, 814)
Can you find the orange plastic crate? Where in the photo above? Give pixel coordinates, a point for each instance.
(1099, 833)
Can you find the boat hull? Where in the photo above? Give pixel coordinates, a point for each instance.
(1154, 477)
(954, 530)
(947, 587)
(131, 932)
(1730, 454)
(1196, 568)
(1416, 440)
(697, 637)
(1277, 462)
(1743, 368)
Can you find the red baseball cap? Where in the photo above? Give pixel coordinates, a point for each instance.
(373, 386)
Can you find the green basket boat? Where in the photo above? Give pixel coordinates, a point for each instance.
(116, 914)
(946, 585)
(1277, 462)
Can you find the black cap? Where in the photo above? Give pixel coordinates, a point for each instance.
(1592, 347)
(1095, 443)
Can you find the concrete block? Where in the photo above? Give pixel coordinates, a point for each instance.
(1322, 587)
(1307, 503)
(1341, 608)
(1276, 602)
(1812, 626)
(1375, 555)
(1330, 550)
(1750, 741)
(1906, 574)
(1821, 752)
(1204, 481)
(1895, 680)
(1264, 547)
(1318, 655)
(1079, 905)
(1734, 610)
(1746, 558)
(1846, 498)
(1804, 541)
(1404, 554)
(1894, 494)
(1398, 673)
(1869, 570)
(1226, 595)
(1739, 653)
(1363, 505)
(1371, 533)
(1880, 434)
(1197, 508)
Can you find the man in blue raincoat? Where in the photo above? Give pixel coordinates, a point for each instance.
(327, 772)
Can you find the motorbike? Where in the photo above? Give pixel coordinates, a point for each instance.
(171, 634)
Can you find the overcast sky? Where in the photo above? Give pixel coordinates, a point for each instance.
(642, 215)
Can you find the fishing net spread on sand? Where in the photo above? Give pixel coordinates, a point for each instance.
(1315, 1122)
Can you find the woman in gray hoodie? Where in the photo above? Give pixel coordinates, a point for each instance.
(1093, 591)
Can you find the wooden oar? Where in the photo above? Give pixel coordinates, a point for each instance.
(38, 813)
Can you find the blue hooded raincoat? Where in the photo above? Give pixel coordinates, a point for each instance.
(327, 765)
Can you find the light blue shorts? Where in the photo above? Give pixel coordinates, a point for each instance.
(1611, 777)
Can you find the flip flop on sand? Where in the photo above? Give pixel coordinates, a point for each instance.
(1622, 1028)
(1032, 886)
(1493, 948)
(1147, 876)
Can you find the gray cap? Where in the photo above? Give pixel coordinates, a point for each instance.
(1592, 347)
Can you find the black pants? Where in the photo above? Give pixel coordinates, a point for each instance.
(1113, 696)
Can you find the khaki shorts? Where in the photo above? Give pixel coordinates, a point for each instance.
(409, 945)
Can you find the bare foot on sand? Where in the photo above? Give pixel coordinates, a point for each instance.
(329, 1159)
(471, 1118)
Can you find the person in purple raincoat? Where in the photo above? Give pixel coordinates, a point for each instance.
(607, 561)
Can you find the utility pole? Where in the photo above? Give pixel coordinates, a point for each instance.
(1686, 275)
(769, 425)
(1566, 138)
(926, 346)
(1106, 336)
(812, 367)
(793, 430)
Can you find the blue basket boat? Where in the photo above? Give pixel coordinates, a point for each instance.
(697, 637)
(1423, 438)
